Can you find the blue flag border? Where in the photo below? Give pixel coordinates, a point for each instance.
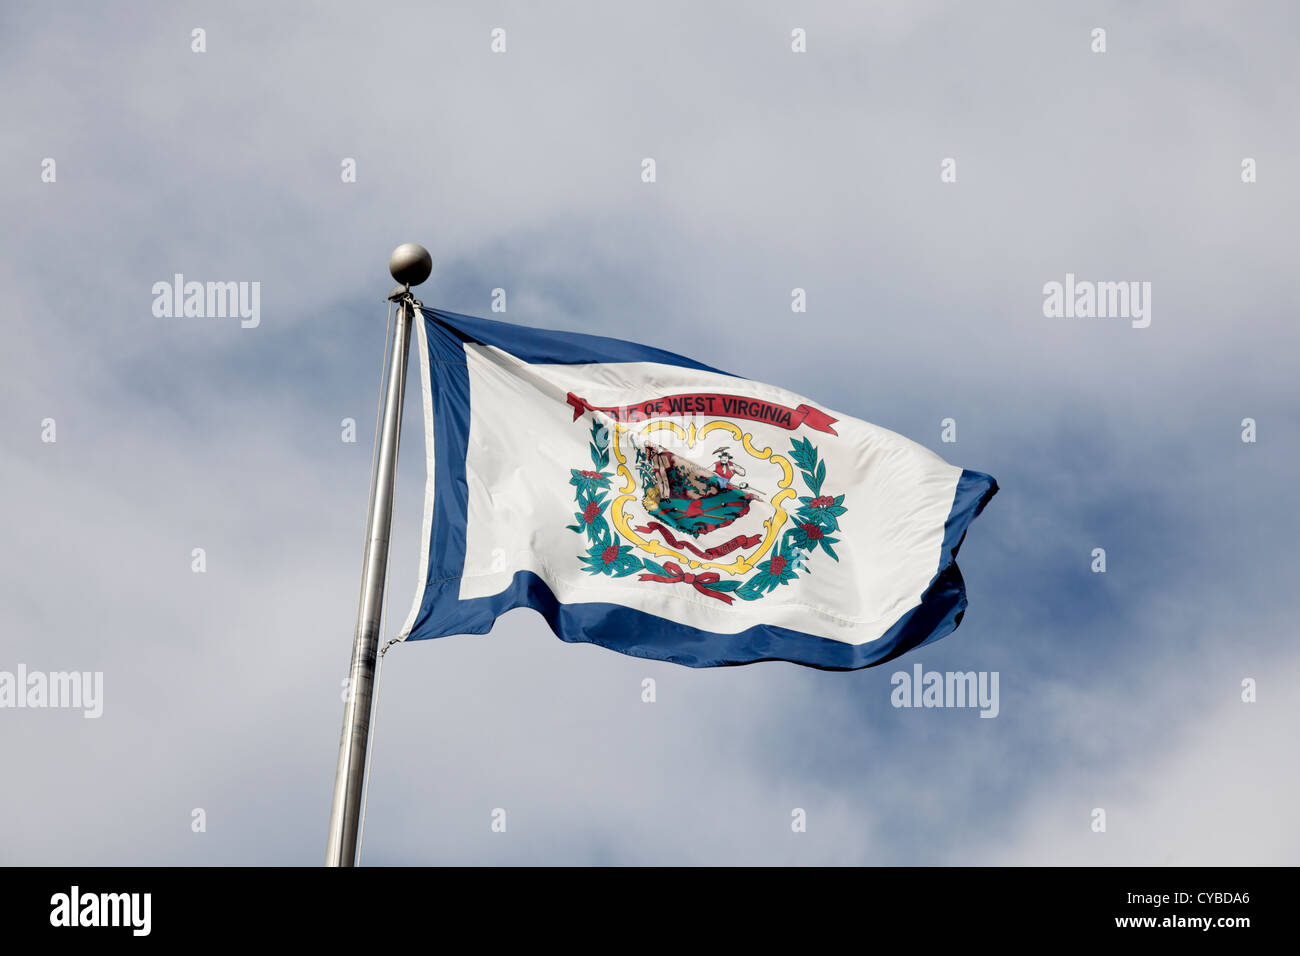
(438, 610)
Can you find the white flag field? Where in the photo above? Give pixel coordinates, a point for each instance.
(648, 503)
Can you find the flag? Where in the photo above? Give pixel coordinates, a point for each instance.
(648, 503)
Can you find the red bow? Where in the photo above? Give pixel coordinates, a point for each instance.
(677, 576)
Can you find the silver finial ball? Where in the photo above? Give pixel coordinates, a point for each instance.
(410, 263)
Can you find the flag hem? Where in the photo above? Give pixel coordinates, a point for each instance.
(426, 528)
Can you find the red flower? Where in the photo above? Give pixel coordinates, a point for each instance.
(811, 530)
(591, 513)
(825, 501)
(778, 564)
(591, 474)
(610, 554)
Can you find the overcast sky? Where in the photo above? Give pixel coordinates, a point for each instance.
(775, 170)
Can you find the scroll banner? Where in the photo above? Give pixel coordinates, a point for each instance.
(709, 554)
(711, 403)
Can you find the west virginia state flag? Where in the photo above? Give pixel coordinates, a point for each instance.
(650, 504)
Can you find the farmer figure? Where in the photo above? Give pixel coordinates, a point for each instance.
(726, 468)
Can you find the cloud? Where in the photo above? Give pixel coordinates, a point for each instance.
(1218, 797)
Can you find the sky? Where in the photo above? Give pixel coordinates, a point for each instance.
(775, 170)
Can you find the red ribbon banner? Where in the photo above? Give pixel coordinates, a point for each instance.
(708, 403)
(709, 554)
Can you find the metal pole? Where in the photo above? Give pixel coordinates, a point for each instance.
(350, 778)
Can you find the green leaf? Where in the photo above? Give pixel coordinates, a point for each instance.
(803, 453)
(627, 564)
(598, 532)
(654, 568)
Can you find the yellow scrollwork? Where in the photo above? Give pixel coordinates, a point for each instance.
(690, 435)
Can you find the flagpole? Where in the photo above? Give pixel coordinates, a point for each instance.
(410, 265)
